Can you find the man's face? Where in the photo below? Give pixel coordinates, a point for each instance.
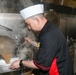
(32, 24)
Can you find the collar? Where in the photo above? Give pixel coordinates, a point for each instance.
(45, 28)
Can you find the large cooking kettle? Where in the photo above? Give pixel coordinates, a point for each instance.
(7, 47)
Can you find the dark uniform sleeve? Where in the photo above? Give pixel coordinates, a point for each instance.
(47, 51)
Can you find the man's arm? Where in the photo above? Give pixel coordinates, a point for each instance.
(29, 64)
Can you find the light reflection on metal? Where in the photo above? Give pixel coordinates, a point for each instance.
(6, 28)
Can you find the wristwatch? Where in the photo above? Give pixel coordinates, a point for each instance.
(21, 66)
(21, 63)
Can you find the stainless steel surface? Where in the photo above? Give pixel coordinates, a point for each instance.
(14, 30)
(12, 21)
(68, 26)
(16, 24)
(6, 28)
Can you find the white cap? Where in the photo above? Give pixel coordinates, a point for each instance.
(32, 10)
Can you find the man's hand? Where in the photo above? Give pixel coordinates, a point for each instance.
(27, 39)
(32, 42)
(15, 65)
